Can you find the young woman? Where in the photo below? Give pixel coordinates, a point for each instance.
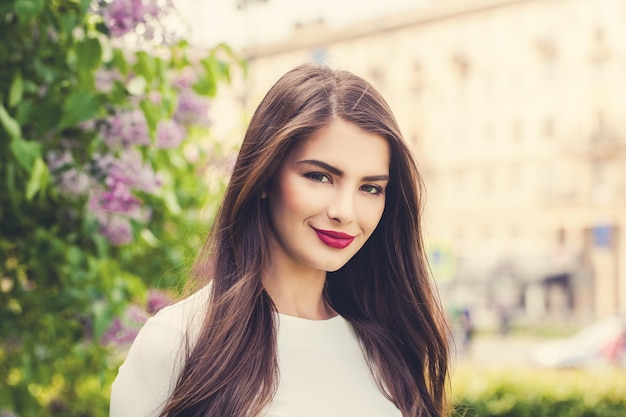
(315, 297)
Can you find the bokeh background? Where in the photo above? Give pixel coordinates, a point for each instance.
(120, 119)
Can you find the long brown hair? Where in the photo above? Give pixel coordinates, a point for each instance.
(384, 291)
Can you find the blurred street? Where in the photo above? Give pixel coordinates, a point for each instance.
(498, 351)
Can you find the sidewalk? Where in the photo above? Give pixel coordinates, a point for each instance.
(499, 351)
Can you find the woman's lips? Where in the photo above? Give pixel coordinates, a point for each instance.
(334, 239)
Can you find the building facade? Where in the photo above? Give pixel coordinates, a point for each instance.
(516, 113)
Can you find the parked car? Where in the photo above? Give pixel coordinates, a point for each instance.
(603, 342)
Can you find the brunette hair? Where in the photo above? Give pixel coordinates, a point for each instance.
(384, 291)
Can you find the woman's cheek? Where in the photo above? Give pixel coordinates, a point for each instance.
(297, 195)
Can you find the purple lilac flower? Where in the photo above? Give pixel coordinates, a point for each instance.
(124, 329)
(101, 165)
(117, 230)
(122, 16)
(120, 333)
(186, 77)
(131, 169)
(116, 198)
(156, 97)
(136, 315)
(114, 203)
(113, 335)
(192, 109)
(70, 179)
(157, 300)
(169, 134)
(88, 125)
(104, 79)
(126, 128)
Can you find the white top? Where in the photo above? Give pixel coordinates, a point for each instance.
(322, 369)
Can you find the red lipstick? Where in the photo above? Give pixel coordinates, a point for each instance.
(334, 239)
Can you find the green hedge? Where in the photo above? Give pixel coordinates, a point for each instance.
(523, 392)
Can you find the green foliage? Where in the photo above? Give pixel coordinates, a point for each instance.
(518, 392)
(62, 281)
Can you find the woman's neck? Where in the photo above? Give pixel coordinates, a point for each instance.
(298, 292)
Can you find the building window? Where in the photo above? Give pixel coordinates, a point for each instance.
(417, 78)
(517, 131)
(547, 51)
(548, 128)
(600, 131)
(600, 184)
(599, 50)
(546, 48)
(488, 182)
(461, 64)
(488, 132)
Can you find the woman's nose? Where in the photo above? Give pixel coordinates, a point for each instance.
(341, 207)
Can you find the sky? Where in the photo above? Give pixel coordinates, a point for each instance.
(213, 21)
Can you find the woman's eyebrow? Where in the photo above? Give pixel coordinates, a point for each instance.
(337, 171)
(323, 165)
(376, 178)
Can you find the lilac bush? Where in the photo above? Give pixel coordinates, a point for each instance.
(104, 147)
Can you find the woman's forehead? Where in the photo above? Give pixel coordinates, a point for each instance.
(343, 143)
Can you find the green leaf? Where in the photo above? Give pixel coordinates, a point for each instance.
(171, 202)
(5, 7)
(102, 318)
(207, 84)
(148, 237)
(48, 71)
(38, 179)
(152, 112)
(26, 152)
(16, 90)
(80, 106)
(119, 61)
(27, 10)
(68, 22)
(9, 123)
(146, 65)
(10, 177)
(84, 5)
(88, 53)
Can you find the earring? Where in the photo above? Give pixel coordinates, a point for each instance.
(263, 195)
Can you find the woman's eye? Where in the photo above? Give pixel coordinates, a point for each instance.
(372, 189)
(318, 176)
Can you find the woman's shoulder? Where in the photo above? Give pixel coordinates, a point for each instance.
(172, 328)
(186, 314)
(156, 357)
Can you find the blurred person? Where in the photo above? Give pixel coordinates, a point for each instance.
(467, 328)
(313, 296)
(462, 329)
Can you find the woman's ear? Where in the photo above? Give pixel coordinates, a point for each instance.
(263, 194)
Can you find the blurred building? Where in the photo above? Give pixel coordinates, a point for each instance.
(516, 111)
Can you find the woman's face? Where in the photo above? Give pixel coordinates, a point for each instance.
(328, 196)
